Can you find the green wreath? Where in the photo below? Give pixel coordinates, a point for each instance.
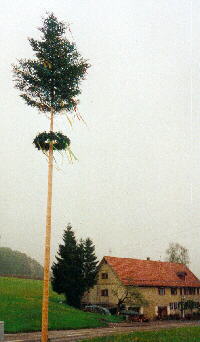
(60, 141)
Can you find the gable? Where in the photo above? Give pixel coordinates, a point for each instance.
(105, 268)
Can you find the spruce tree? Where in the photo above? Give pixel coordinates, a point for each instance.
(90, 264)
(75, 269)
(67, 272)
(50, 82)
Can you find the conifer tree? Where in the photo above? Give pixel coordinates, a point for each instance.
(50, 83)
(67, 275)
(90, 264)
(75, 269)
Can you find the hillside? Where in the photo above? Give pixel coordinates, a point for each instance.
(20, 308)
(15, 263)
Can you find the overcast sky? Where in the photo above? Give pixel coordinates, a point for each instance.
(136, 186)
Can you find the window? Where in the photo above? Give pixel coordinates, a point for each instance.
(186, 291)
(161, 291)
(175, 305)
(191, 290)
(104, 275)
(181, 275)
(181, 291)
(173, 291)
(197, 290)
(104, 292)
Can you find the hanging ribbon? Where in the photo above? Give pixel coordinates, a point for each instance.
(70, 154)
(70, 122)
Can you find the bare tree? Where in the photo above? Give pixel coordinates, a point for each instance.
(177, 253)
(128, 295)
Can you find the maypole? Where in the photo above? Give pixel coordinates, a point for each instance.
(50, 83)
(45, 300)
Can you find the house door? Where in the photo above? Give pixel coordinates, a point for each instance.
(162, 311)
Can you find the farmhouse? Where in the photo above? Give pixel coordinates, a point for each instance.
(169, 289)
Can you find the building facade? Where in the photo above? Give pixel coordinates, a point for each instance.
(170, 289)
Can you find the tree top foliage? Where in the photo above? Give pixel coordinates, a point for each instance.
(51, 80)
(177, 253)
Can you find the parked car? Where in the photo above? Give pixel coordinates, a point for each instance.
(97, 309)
(133, 316)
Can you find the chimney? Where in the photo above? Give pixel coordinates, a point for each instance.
(148, 258)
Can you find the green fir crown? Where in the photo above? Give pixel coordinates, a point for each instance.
(51, 80)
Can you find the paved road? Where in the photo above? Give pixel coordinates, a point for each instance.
(78, 335)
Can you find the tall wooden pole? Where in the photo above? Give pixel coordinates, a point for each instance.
(45, 300)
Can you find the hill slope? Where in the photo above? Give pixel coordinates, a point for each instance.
(20, 308)
(16, 263)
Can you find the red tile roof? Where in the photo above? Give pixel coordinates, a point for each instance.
(151, 273)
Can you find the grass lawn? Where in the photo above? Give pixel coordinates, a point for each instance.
(189, 334)
(20, 308)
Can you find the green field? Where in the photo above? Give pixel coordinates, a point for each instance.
(20, 308)
(191, 334)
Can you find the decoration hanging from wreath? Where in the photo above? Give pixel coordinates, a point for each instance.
(59, 140)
